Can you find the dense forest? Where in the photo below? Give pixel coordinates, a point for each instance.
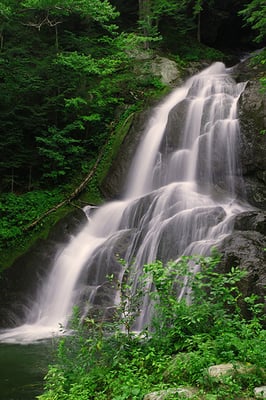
(68, 79)
(73, 75)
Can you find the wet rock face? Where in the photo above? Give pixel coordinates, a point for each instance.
(176, 119)
(20, 283)
(245, 248)
(252, 115)
(115, 180)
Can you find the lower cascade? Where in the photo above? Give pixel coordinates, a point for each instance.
(181, 198)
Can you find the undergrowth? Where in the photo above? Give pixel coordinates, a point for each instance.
(103, 361)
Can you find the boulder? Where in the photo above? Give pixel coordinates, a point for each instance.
(245, 248)
(220, 370)
(181, 393)
(165, 69)
(260, 392)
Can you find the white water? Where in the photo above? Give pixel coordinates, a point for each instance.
(172, 206)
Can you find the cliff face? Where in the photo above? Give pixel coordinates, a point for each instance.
(252, 114)
(246, 246)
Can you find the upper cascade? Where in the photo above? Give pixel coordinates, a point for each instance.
(180, 199)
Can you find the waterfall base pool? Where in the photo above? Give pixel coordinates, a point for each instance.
(22, 369)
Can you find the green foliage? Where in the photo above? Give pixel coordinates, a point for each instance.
(152, 15)
(185, 338)
(5, 10)
(59, 152)
(85, 64)
(18, 211)
(200, 52)
(57, 108)
(214, 298)
(98, 10)
(67, 79)
(254, 14)
(197, 7)
(37, 86)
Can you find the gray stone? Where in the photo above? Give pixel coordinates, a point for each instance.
(260, 392)
(165, 69)
(220, 370)
(245, 249)
(251, 220)
(252, 113)
(183, 393)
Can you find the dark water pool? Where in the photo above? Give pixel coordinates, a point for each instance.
(22, 369)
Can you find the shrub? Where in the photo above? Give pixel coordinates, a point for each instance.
(186, 336)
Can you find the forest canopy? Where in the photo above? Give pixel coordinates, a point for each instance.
(65, 68)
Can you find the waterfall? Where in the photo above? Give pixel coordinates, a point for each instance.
(180, 199)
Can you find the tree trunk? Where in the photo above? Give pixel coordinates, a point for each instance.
(145, 19)
(199, 28)
(12, 181)
(30, 176)
(1, 41)
(56, 38)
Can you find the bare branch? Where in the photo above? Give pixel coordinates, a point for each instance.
(45, 21)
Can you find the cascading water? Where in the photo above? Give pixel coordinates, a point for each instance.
(180, 199)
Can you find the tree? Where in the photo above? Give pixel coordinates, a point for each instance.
(5, 13)
(52, 13)
(254, 14)
(48, 99)
(153, 12)
(180, 14)
(146, 19)
(60, 152)
(197, 10)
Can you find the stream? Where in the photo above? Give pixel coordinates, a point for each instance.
(182, 195)
(22, 369)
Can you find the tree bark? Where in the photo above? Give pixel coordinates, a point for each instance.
(12, 181)
(1, 41)
(199, 28)
(145, 18)
(56, 38)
